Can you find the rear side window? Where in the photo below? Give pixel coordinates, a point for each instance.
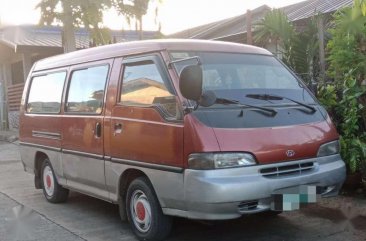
(45, 93)
(86, 90)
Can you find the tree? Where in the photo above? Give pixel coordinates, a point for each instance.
(75, 13)
(134, 10)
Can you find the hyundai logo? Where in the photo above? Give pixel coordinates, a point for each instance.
(290, 153)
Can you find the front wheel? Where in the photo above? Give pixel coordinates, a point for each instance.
(53, 191)
(144, 212)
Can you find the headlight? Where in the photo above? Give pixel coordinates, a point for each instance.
(209, 161)
(329, 148)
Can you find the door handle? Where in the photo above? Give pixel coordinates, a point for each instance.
(98, 130)
(117, 128)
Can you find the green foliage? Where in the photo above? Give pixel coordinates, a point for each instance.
(347, 66)
(346, 110)
(347, 47)
(328, 97)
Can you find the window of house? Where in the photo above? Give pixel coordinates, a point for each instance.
(45, 93)
(86, 90)
(144, 85)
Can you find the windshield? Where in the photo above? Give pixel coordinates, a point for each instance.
(234, 76)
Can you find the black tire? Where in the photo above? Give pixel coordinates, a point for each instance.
(56, 194)
(122, 209)
(140, 200)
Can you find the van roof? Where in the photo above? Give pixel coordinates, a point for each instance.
(139, 47)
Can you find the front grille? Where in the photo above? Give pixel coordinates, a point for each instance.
(291, 169)
(248, 205)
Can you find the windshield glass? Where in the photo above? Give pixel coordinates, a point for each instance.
(234, 76)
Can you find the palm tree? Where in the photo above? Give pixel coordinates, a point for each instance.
(303, 56)
(274, 27)
(298, 49)
(133, 10)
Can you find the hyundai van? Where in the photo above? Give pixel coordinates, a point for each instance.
(197, 129)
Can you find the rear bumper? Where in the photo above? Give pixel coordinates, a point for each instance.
(230, 193)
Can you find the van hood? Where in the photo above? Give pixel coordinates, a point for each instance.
(271, 145)
(271, 139)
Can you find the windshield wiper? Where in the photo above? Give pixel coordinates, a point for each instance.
(276, 97)
(224, 101)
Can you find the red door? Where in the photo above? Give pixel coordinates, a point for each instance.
(145, 126)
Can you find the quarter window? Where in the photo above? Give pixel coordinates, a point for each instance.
(143, 85)
(86, 90)
(45, 93)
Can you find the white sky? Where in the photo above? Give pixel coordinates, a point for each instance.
(174, 15)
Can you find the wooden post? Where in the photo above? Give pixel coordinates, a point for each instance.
(249, 27)
(27, 64)
(321, 46)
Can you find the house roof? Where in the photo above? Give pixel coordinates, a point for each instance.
(307, 9)
(222, 28)
(237, 25)
(51, 36)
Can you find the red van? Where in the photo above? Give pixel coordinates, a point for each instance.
(197, 129)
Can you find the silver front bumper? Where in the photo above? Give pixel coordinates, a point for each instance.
(230, 193)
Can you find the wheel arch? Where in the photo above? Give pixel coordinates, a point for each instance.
(126, 178)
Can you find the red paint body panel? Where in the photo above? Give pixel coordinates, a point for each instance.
(39, 123)
(198, 138)
(79, 134)
(146, 136)
(269, 145)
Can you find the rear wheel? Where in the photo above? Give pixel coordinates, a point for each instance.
(144, 212)
(53, 192)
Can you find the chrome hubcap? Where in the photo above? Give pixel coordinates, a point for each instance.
(140, 211)
(48, 181)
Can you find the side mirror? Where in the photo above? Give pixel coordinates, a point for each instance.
(190, 82)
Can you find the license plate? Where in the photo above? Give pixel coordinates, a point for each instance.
(293, 198)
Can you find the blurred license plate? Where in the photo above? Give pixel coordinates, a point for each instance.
(293, 198)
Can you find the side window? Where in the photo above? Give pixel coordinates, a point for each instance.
(86, 90)
(143, 85)
(45, 93)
